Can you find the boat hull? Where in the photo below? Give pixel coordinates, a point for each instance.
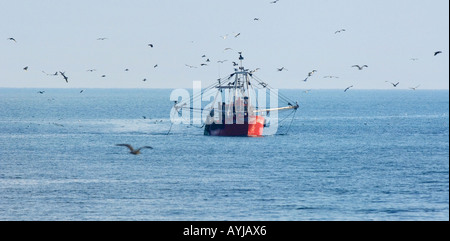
(253, 128)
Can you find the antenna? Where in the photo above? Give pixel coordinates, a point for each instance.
(240, 59)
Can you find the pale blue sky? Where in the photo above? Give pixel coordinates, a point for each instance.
(61, 35)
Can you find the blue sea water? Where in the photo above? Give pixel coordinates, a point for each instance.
(359, 155)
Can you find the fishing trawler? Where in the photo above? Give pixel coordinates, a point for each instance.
(235, 110)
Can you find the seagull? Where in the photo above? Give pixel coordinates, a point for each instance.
(91, 70)
(413, 59)
(256, 19)
(102, 38)
(237, 35)
(341, 30)
(81, 91)
(203, 64)
(414, 88)
(253, 71)
(235, 64)
(274, 1)
(41, 92)
(360, 67)
(127, 70)
(227, 49)
(281, 69)
(144, 79)
(133, 151)
(12, 39)
(437, 52)
(190, 66)
(64, 76)
(155, 66)
(393, 84)
(348, 88)
(103, 76)
(222, 61)
(309, 75)
(25, 68)
(151, 45)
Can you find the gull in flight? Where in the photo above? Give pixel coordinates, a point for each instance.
(437, 52)
(414, 88)
(310, 74)
(281, 69)
(338, 31)
(393, 84)
(64, 76)
(190, 66)
(360, 67)
(12, 39)
(348, 88)
(132, 150)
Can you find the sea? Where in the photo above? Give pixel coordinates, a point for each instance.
(360, 155)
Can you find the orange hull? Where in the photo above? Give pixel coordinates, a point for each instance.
(254, 128)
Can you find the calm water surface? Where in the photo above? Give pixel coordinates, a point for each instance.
(360, 155)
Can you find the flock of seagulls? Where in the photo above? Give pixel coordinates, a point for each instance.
(66, 78)
(361, 67)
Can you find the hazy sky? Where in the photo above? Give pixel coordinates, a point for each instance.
(61, 35)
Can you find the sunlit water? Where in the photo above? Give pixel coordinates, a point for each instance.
(359, 155)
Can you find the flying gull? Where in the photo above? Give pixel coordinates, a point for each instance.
(309, 75)
(414, 88)
(190, 66)
(360, 67)
(64, 76)
(348, 88)
(393, 84)
(437, 52)
(133, 151)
